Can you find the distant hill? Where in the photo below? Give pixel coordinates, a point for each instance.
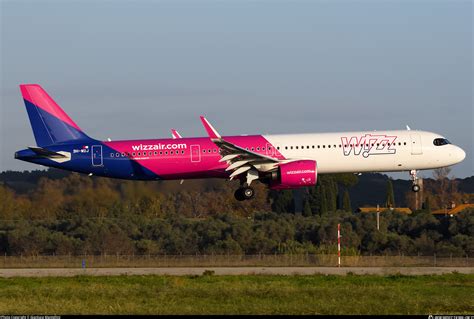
(371, 189)
(466, 185)
(24, 181)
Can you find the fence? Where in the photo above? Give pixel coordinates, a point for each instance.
(306, 260)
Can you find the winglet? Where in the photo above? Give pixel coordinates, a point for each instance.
(211, 131)
(175, 133)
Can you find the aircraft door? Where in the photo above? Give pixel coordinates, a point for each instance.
(97, 155)
(195, 153)
(415, 144)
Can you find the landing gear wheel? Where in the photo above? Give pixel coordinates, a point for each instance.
(244, 193)
(239, 195)
(248, 192)
(414, 179)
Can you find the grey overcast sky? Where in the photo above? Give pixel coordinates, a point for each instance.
(135, 69)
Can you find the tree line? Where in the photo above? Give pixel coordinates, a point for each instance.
(74, 214)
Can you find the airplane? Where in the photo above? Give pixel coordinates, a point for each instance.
(280, 161)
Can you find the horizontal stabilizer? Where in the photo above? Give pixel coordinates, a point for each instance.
(44, 152)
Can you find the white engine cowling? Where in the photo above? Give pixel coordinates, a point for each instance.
(294, 175)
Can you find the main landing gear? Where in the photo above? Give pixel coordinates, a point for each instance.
(244, 193)
(414, 179)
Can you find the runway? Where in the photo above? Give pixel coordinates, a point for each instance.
(187, 271)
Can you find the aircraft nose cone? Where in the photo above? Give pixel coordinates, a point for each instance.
(457, 155)
(461, 154)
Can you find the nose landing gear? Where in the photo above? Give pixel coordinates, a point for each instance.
(415, 187)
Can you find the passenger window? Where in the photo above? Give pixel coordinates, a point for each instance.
(112, 155)
(133, 154)
(296, 147)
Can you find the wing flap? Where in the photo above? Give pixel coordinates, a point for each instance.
(236, 165)
(240, 171)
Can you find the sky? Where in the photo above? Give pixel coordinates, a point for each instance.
(136, 69)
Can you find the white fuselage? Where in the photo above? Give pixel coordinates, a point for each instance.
(375, 151)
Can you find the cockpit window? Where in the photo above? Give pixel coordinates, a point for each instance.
(440, 141)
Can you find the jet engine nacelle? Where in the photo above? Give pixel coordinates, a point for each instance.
(294, 175)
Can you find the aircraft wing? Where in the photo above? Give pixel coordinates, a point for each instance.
(240, 160)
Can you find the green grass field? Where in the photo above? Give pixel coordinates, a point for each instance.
(319, 294)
